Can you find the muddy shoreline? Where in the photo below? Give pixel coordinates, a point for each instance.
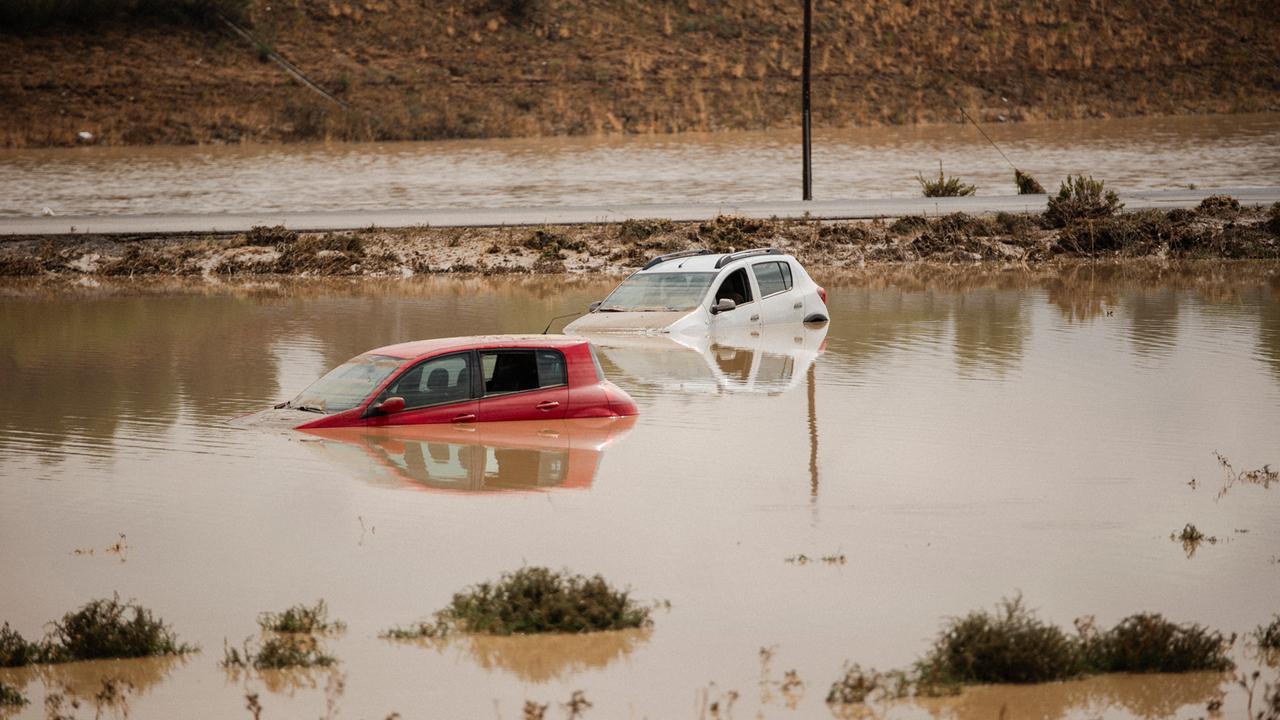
(1217, 229)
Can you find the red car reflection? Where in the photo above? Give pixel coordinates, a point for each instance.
(462, 380)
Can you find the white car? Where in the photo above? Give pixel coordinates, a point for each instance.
(698, 291)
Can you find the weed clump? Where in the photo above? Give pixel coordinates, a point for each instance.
(535, 600)
(11, 697)
(1147, 642)
(15, 651)
(907, 225)
(1008, 646)
(944, 186)
(111, 629)
(301, 619)
(331, 253)
(1027, 185)
(1081, 198)
(1268, 636)
(637, 230)
(726, 233)
(1219, 206)
(277, 653)
(859, 686)
(268, 236)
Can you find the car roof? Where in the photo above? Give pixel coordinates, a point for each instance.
(419, 348)
(707, 263)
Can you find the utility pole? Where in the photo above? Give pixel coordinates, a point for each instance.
(807, 130)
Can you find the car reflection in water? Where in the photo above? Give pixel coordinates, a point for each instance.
(480, 457)
(771, 359)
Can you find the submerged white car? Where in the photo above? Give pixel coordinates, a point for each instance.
(698, 291)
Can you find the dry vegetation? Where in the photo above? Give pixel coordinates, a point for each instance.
(1079, 227)
(485, 68)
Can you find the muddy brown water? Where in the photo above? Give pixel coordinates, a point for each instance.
(1130, 154)
(958, 437)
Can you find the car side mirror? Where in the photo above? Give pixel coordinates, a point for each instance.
(389, 406)
(724, 305)
(594, 306)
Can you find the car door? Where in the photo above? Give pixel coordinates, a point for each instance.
(523, 384)
(780, 302)
(436, 390)
(736, 285)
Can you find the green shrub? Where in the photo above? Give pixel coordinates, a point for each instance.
(944, 186)
(277, 653)
(1081, 198)
(15, 651)
(1268, 636)
(111, 629)
(1027, 185)
(301, 619)
(1146, 642)
(11, 697)
(539, 600)
(1008, 646)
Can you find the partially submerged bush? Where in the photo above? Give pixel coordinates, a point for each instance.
(1008, 646)
(278, 652)
(1027, 185)
(1081, 198)
(15, 651)
(944, 186)
(539, 600)
(1268, 636)
(11, 697)
(1147, 642)
(301, 619)
(859, 686)
(111, 629)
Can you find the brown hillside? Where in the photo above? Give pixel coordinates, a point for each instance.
(425, 70)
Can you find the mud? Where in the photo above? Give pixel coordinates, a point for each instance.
(1216, 231)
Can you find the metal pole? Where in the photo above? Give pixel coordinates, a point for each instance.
(804, 113)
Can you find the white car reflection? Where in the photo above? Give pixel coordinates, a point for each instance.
(770, 359)
(484, 457)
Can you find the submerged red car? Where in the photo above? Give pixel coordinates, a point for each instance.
(462, 380)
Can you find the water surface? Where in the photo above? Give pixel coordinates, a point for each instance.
(734, 167)
(959, 437)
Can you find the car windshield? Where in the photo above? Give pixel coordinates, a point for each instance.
(659, 291)
(347, 385)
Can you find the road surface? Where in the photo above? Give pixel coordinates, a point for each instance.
(566, 215)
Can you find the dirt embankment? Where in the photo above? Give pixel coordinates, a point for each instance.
(498, 68)
(1218, 229)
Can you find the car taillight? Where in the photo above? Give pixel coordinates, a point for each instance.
(822, 293)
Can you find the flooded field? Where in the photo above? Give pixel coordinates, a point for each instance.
(1130, 154)
(956, 436)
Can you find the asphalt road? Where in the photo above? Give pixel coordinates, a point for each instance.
(481, 217)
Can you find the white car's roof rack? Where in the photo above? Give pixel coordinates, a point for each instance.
(746, 253)
(675, 255)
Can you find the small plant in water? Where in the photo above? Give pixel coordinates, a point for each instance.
(1147, 642)
(1027, 185)
(577, 705)
(944, 186)
(15, 651)
(537, 600)
(861, 686)
(276, 653)
(1267, 636)
(1009, 646)
(10, 697)
(1191, 538)
(1081, 198)
(301, 619)
(110, 629)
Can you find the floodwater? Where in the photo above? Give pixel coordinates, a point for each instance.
(1130, 154)
(957, 436)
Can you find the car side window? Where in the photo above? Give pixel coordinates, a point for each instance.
(434, 382)
(734, 287)
(508, 371)
(772, 277)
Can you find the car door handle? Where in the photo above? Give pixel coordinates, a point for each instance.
(798, 305)
(755, 317)
(547, 405)
(469, 417)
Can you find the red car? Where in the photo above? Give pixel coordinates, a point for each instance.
(462, 380)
